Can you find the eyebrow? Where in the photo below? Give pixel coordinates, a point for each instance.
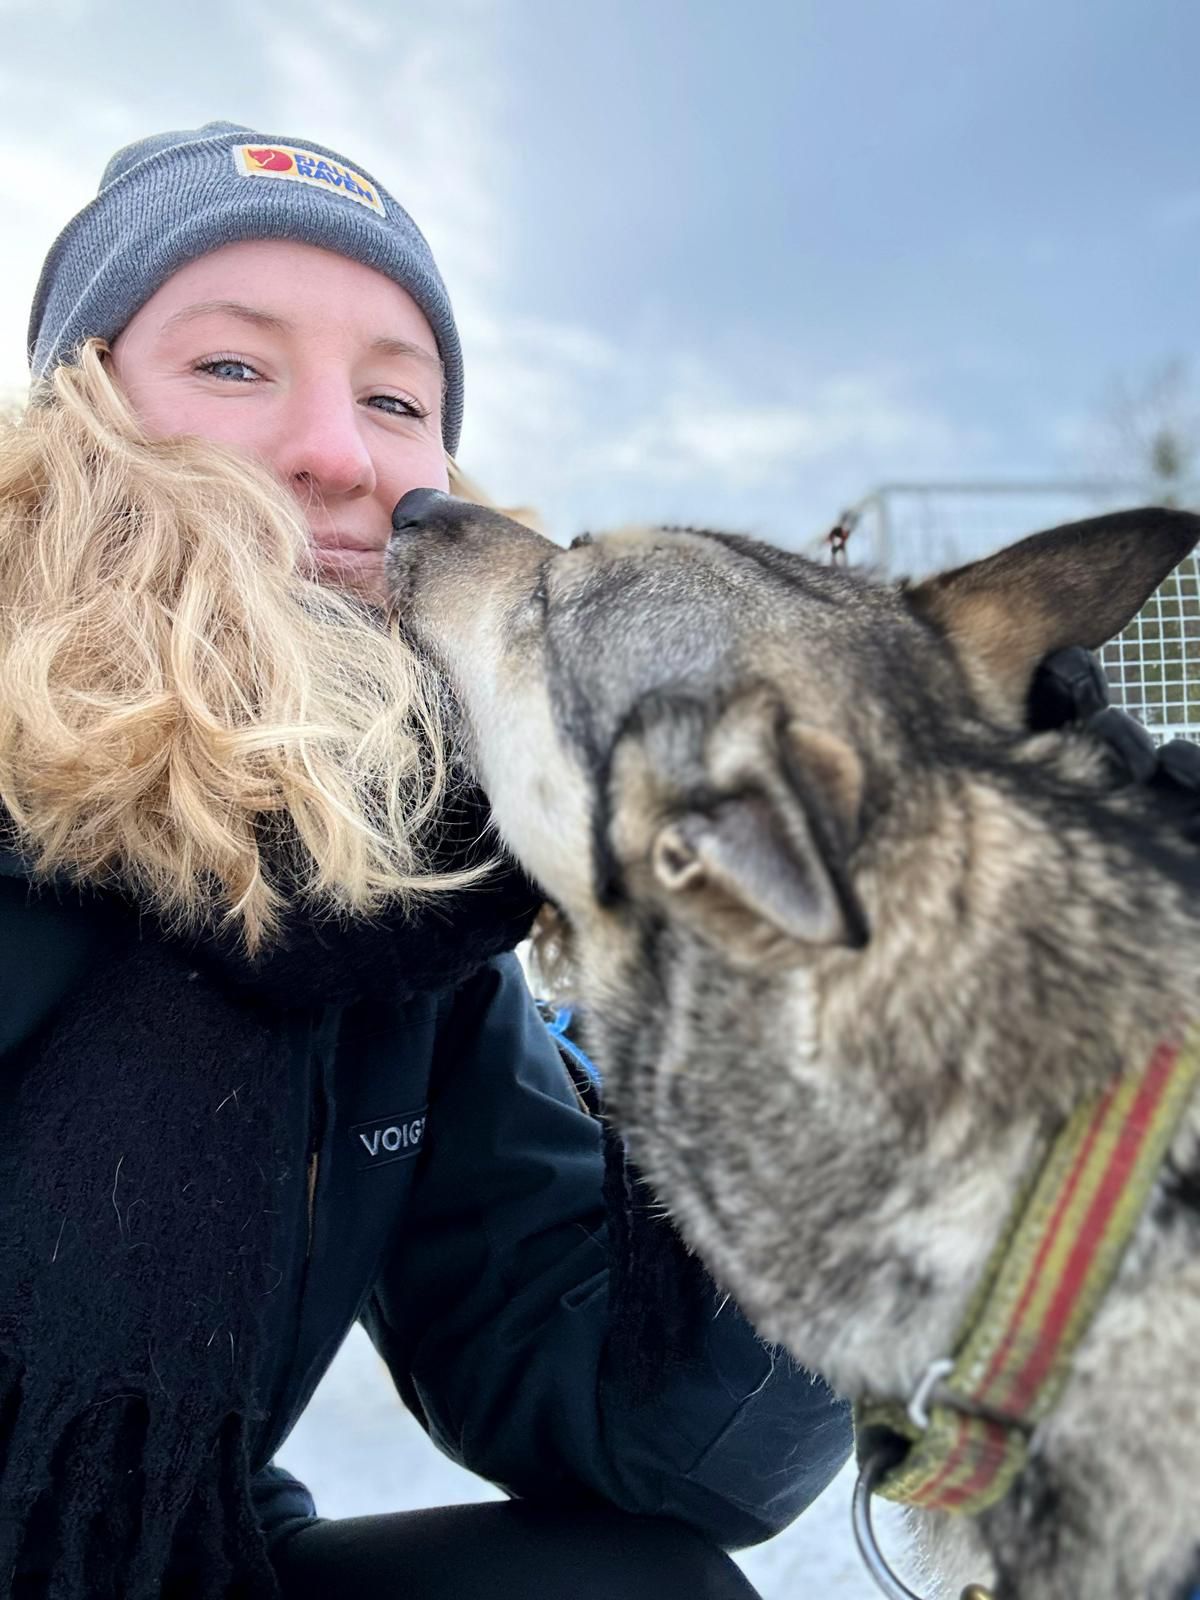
(383, 345)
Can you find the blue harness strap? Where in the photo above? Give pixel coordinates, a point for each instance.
(558, 1022)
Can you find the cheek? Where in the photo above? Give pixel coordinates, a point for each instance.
(247, 434)
(165, 410)
(163, 405)
(422, 466)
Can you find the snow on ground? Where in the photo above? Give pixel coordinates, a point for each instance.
(360, 1452)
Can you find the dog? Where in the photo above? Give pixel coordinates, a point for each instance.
(854, 945)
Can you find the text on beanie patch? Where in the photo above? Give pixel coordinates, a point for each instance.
(305, 166)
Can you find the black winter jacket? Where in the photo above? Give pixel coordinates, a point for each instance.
(456, 1211)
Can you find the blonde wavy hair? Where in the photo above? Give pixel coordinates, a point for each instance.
(173, 683)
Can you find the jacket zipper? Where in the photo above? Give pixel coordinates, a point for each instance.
(314, 1167)
(320, 1113)
(315, 1042)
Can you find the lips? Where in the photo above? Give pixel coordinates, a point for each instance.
(345, 542)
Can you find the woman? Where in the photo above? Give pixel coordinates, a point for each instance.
(267, 1067)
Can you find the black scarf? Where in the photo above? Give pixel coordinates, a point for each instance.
(148, 1169)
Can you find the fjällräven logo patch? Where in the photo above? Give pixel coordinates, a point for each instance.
(395, 1138)
(305, 166)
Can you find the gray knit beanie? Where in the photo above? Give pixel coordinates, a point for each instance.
(174, 196)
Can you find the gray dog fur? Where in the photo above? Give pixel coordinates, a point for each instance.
(853, 944)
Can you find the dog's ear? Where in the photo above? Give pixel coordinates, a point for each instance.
(761, 870)
(1075, 585)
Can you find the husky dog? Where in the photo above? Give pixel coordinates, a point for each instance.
(853, 944)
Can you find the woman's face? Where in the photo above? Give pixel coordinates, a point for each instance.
(323, 369)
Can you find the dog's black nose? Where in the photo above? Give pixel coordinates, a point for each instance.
(416, 507)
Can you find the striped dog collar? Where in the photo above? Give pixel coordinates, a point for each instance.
(964, 1436)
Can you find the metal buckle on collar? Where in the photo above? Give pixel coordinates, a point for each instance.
(918, 1404)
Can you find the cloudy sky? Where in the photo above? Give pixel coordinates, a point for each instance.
(717, 262)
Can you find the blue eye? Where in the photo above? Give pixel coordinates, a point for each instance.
(407, 408)
(222, 367)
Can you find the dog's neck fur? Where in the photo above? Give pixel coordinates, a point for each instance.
(870, 1085)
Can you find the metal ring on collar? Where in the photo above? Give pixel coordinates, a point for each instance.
(872, 1470)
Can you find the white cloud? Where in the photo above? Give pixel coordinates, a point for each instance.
(589, 431)
(434, 131)
(702, 425)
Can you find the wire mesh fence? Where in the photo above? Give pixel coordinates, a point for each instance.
(1153, 667)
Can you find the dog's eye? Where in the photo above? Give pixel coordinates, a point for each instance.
(531, 611)
(527, 618)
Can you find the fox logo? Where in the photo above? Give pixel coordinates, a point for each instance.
(271, 160)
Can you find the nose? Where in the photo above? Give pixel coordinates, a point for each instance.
(419, 507)
(325, 450)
